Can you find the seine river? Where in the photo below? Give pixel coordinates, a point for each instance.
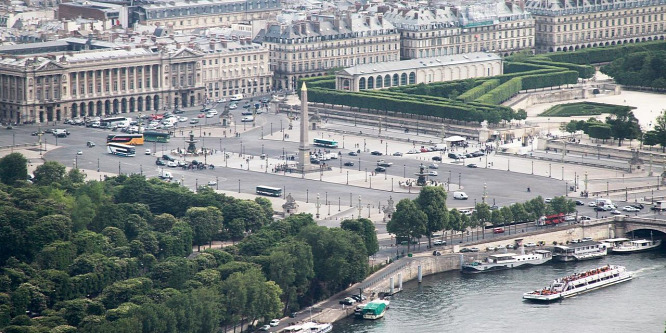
(452, 302)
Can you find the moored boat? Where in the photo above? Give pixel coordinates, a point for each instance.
(503, 261)
(375, 309)
(579, 283)
(580, 251)
(634, 246)
(309, 327)
(612, 243)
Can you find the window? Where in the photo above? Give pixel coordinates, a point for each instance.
(361, 83)
(403, 79)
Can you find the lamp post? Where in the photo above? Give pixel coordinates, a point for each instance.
(76, 161)
(550, 170)
(98, 164)
(119, 168)
(318, 205)
(239, 186)
(217, 183)
(359, 206)
(368, 210)
(404, 171)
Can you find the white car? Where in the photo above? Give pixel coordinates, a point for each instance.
(275, 322)
(615, 212)
(233, 107)
(212, 111)
(172, 164)
(530, 244)
(182, 119)
(630, 209)
(212, 183)
(433, 166)
(500, 247)
(148, 152)
(432, 173)
(247, 119)
(222, 100)
(548, 200)
(439, 242)
(209, 115)
(591, 204)
(265, 328)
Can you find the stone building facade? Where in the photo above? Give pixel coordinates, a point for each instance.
(313, 47)
(569, 25)
(503, 27)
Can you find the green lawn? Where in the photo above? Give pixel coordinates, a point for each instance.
(582, 109)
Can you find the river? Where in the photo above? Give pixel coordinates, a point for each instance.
(492, 302)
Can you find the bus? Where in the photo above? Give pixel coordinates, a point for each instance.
(128, 139)
(160, 137)
(113, 122)
(121, 149)
(270, 191)
(326, 143)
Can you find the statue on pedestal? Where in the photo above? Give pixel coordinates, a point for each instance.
(290, 207)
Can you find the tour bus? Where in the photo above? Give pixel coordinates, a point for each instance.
(114, 122)
(160, 137)
(121, 149)
(236, 98)
(128, 139)
(270, 191)
(326, 143)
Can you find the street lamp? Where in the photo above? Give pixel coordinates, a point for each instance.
(318, 205)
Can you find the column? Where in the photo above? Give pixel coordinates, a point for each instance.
(76, 84)
(94, 80)
(118, 78)
(127, 78)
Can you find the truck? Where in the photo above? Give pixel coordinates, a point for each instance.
(601, 202)
(659, 205)
(551, 219)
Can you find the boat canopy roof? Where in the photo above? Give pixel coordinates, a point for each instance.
(613, 240)
(542, 251)
(503, 255)
(576, 245)
(641, 241)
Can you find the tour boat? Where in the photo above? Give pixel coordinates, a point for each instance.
(309, 327)
(503, 261)
(579, 283)
(375, 309)
(612, 243)
(637, 246)
(580, 251)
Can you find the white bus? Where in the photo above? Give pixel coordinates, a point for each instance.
(270, 191)
(236, 98)
(121, 149)
(113, 122)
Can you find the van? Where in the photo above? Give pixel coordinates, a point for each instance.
(460, 196)
(236, 98)
(603, 202)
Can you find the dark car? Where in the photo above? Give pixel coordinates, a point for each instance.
(376, 153)
(465, 250)
(436, 158)
(638, 206)
(349, 163)
(472, 165)
(579, 203)
(380, 169)
(178, 111)
(168, 158)
(453, 155)
(352, 153)
(160, 162)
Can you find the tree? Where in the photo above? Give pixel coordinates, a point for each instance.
(205, 222)
(624, 125)
(519, 213)
(48, 173)
(432, 201)
(507, 215)
(562, 205)
(366, 229)
(658, 134)
(13, 167)
(164, 222)
(571, 127)
(291, 266)
(408, 221)
(536, 207)
(483, 212)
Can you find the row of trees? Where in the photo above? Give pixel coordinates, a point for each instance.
(116, 255)
(427, 214)
(620, 125)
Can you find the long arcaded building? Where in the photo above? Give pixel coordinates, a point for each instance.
(568, 25)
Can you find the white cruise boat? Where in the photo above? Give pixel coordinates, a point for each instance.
(579, 283)
(612, 243)
(309, 327)
(503, 261)
(636, 246)
(580, 251)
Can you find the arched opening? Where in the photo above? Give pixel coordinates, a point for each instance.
(82, 110)
(571, 48)
(75, 110)
(345, 84)
(116, 106)
(403, 79)
(576, 48)
(99, 109)
(378, 82)
(139, 104)
(559, 49)
(412, 78)
(132, 104)
(156, 103)
(396, 80)
(550, 49)
(361, 83)
(91, 109)
(613, 43)
(107, 107)
(371, 83)
(123, 105)
(148, 103)
(387, 81)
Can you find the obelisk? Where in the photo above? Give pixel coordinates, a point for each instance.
(304, 146)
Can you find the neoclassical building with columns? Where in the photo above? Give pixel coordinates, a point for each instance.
(96, 83)
(415, 71)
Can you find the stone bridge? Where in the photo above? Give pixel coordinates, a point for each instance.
(621, 226)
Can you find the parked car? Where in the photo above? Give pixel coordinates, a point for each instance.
(194, 121)
(397, 153)
(530, 244)
(510, 246)
(475, 249)
(201, 115)
(433, 166)
(591, 204)
(615, 212)
(265, 328)
(548, 200)
(222, 100)
(347, 301)
(352, 153)
(432, 173)
(349, 163)
(377, 153)
(212, 183)
(491, 249)
(465, 250)
(275, 322)
(380, 169)
(472, 165)
(178, 111)
(637, 205)
(439, 242)
(172, 164)
(579, 203)
(437, 158)
(160, 162)
(630, 209)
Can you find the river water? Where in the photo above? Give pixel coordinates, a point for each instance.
(492, 302)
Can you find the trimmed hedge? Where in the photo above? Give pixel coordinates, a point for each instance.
(479, 90)
(502, 92)
(603, 54)
(584, 71)
(549, 80)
